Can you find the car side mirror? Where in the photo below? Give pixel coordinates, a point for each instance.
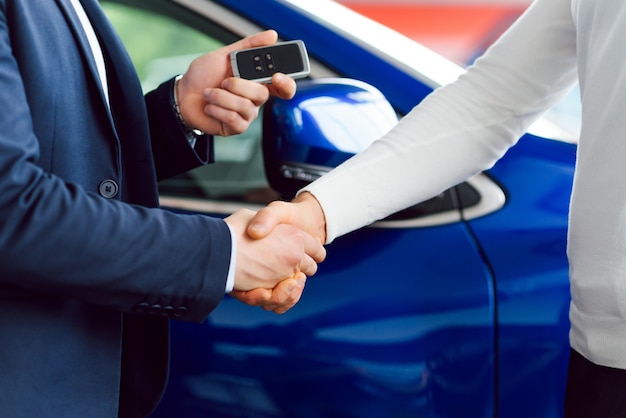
(327, 122)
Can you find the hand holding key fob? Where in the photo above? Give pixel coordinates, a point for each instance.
(259, 64)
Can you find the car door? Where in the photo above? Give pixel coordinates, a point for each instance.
(399, 321)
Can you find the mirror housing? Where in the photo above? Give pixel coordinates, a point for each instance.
(327, 122)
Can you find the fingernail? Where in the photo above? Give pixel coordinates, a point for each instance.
(260, 228)
(279, 77)
(301, 281)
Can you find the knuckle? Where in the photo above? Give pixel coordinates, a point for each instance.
(245, 211)
(212, 95)
(235, 124)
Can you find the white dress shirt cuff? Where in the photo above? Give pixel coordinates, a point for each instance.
(230, 279)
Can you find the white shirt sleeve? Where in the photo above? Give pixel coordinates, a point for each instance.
(462, 128)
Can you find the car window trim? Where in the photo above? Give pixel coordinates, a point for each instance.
(492, 199)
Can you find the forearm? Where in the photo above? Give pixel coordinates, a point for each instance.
(172, 152)
(460, 129)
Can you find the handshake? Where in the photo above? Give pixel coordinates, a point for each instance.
(277, 248)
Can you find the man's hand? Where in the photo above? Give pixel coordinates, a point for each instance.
(279, 299)
(304, 212)
(212, 100)
(285, 253)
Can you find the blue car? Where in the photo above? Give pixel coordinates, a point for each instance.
(456, 307)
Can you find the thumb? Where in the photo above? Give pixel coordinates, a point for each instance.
(267, 218)
(265, 38)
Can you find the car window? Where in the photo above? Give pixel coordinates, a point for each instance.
(161, 46)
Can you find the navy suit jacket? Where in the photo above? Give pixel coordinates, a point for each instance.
(90, 270)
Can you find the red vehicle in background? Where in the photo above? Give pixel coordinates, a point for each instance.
(458, 29)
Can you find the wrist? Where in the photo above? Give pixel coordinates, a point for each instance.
(315, 214)
(190, 132)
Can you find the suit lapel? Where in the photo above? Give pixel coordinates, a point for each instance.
(82, 42)
(128, 107)
(119, 64)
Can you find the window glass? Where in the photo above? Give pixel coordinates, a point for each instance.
(162, 39)
(159, 46)
(162, 47)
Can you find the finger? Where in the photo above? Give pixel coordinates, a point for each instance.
(255, 92)
(267, 218)
(283, 297)
(230, 122)
(241, 101)
(308, 265)
(286, 294)
(282, 86)
(313, 248)
(294, 289)
(234, 114)
(255, 297)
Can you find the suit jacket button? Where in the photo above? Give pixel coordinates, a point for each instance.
(154, 309)
(142, 307)
(167, 312)
(108, 189)
(179, 312)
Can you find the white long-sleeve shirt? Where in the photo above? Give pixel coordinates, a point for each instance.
(465, 127)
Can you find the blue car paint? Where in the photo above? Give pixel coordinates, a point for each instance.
(378, 333)
(525, 245)
(401, 322)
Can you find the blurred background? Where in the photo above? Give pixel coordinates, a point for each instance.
(458, 29)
